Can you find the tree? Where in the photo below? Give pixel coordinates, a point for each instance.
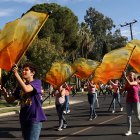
(61, 27)
(87, 40)
(43, 54)
(101, 27)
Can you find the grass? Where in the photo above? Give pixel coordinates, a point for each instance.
(9, 110)
(12, 107)
(3, 103)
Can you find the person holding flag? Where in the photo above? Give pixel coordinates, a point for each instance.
(116, 94)
(132, 100)
(28, 92)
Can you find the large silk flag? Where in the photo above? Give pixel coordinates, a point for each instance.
(84, 67)
(135, 58)
(7, 34)
(113, 64)
(16, 37)
(58, 74)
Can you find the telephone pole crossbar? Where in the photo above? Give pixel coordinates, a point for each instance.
(130, 25)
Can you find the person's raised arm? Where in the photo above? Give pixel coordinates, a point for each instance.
(91, 84)
(111, 82)
(26, 88)
(134, 82)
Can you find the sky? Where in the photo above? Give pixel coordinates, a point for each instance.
(120, 11)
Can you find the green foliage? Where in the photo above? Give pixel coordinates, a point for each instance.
(87, 40)
(101, 28)
(61, 27)
(98, 23)
(43, 54)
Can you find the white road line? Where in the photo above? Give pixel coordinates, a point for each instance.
(91, 127)
(110, 119)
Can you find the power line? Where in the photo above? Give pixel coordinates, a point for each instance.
(130, 25)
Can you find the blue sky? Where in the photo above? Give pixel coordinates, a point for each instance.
(120, 11)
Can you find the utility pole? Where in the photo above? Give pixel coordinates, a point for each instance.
(130, 25)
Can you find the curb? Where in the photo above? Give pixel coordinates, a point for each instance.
(45, 107)
(8, 113)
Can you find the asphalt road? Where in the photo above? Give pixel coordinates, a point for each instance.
(106, 126)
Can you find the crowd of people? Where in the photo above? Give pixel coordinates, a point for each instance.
(32, 115)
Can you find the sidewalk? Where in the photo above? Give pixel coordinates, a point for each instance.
(73, 100)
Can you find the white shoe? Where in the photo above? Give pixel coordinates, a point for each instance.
(128, 133)
(138, 132)
(95, 116)
(68, 111)
(90, 119)
(59, 129)
(113, 111)
(64, 112)
(121, 108)
(65, 126)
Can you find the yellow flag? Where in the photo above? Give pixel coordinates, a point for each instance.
(135, 58)
(84, 67)
(59, 73)
(113, 64)
(7, 34)
(16, 37)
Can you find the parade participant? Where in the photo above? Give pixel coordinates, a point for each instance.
(92, 99)
(28, 92)
(116, 95)
(67, 93)
(60, 106)
(132, 100)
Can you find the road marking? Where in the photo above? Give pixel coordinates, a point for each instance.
(111, 119)
(91, 127)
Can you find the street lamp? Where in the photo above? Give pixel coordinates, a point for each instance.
(129, 24)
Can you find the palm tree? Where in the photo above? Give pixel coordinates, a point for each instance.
(87, 40)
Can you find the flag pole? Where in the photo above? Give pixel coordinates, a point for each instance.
(128, 61)
(0, 76)
(129, 58)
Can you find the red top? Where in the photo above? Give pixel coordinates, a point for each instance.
(132, 93)
(67, 91)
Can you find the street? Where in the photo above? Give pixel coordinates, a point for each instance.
(106, 126)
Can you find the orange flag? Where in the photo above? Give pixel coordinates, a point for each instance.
(113, 64)
(16, 37)
(84, 67)
(135, 58)
(59, 73)
(6, 35)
